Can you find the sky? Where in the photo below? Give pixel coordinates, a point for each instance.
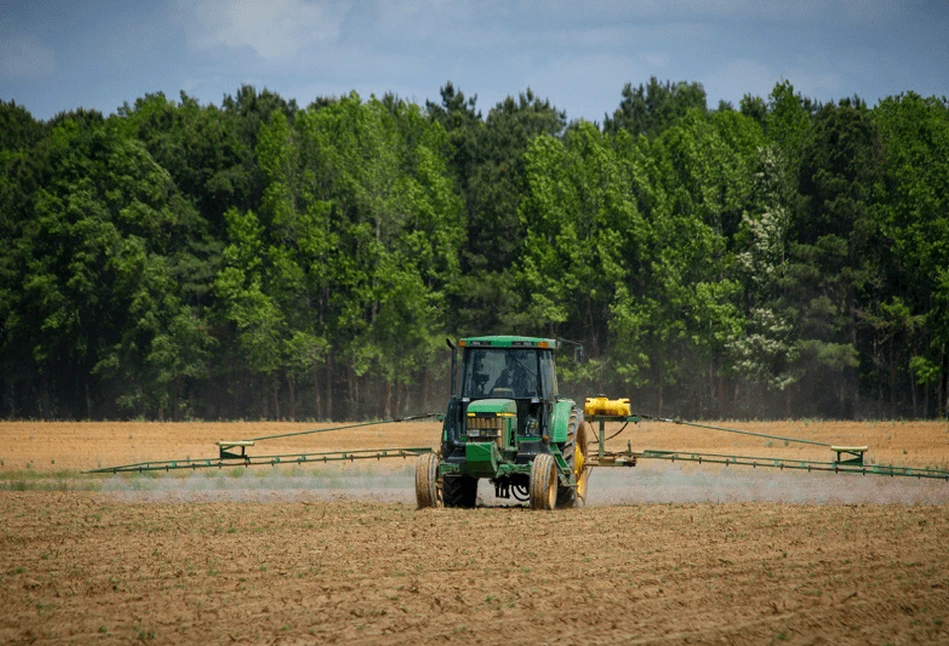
(58, 55)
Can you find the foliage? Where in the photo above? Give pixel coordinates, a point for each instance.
(259, 260)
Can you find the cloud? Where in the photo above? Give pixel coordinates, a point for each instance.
(25, 57)
(275, 30)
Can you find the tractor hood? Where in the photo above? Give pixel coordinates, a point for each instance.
(497, 407)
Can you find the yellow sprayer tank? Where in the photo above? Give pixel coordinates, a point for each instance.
(602, 405)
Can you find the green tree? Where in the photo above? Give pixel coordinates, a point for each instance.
(649, 109)
(911, 207)
(93, 265)
(495, 233)
(834, 258)
(382, 179)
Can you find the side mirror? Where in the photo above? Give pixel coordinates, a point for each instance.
(454, 367)
(577, 349)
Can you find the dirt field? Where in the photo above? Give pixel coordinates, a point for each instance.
(663, 552)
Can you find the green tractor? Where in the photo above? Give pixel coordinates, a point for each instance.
(509, 424)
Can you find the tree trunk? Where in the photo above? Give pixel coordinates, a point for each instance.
(660, 390)
(45, 400)
(595, 345)
(353, 390)
(426, 385)
(912, 388)
(11, 398)
(400, 396)
(329, 387)
(175, 393)
(720, 393)
(292, 386)
(276, 396)
(892, 378)
(941, 396)
(316, 394)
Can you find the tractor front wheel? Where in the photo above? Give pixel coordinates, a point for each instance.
(428, 490)
(543, 487)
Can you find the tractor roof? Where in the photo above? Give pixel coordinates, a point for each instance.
(509, 342)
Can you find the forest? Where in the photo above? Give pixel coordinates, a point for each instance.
(783, 258)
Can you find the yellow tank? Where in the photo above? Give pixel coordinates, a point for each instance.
(606, 406)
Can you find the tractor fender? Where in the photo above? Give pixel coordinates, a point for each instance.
(560, 420)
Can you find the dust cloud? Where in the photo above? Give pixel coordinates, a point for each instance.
(676, 483)
(272, 485)
(645, 484)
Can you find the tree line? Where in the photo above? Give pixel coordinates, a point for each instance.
(781, 258)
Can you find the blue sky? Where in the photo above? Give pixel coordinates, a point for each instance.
(58, 55)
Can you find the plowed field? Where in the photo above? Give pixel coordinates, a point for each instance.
(662, 553)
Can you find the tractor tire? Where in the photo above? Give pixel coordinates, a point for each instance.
(543, 486)
(460, 491)
(574, 452)
(585, 434)
(428, 490)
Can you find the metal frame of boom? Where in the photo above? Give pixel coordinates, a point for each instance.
(227, 457)
(850, 459)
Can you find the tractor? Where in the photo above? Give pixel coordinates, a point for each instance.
(507, 423)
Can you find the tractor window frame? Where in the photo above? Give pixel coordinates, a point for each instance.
(548, 375)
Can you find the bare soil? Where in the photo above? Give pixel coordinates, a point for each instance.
(664, 553)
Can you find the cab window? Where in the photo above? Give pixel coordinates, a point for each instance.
(510, 373)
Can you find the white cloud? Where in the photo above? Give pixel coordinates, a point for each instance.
(275, 30)
(25, 57)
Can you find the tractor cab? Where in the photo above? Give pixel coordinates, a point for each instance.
(511, 369)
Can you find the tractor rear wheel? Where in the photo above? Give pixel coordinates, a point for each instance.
(574, 452)
(543, 487)
(460, 491)
(428, 490)
(584, 434)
